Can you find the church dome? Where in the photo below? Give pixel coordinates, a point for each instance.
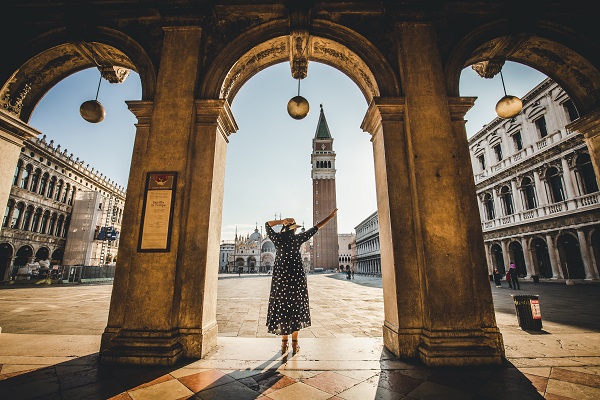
(255, 236)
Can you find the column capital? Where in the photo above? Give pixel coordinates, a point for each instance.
(142, 111)
(588, 124)
(383, 109)
(459, 106)
(216, 112)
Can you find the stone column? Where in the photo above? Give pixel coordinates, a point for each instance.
(531, 268)
(459, 326)
(505, 254)
(515, 196)
(567, 177)
(554, 259)
(398, 228)
(499, 209)
(490, 264)
(586, 255)
(143, 322)
(201, 230)
(540, 189)
(13, 133)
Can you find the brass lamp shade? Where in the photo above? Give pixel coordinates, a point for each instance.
(508, 107)
(92, 111)
(298, 107)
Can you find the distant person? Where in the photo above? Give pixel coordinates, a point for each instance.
(288, 310)
(514, 276)
(508, 279)
(497, 278)
(352, 274)
(348, 273)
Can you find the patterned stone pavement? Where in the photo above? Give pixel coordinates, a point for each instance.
(561, 362)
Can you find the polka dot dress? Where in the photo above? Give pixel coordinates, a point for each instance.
(288, 302)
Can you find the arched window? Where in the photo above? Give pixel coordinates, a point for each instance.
(71, 196)
(37, 216)
(65, 227)
(51, 187)
(488, 203)
(507, 201)
(555, 182)
(27, 218)
(44, 183)
(59, 189)
(59, 225)
(44, 224)
(9, 207)
(24, 184)
(15, 221)
(17, 172)
(529, 193)
(65, 193)
(35, 179)
(585, 174)
(52, 226)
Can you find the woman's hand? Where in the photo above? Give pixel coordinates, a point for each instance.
(326, 220)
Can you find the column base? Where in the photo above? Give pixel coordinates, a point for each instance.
(403, 343)
(198, 342)
(461, 348)
(140, 347)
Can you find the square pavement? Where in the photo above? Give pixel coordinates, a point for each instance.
(561, 362)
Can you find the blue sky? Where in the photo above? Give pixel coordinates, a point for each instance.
(268, 159)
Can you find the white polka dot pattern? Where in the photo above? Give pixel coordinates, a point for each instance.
(288, 302)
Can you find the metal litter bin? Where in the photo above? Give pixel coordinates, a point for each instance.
(528, 312)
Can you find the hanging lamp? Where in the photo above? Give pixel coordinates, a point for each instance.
(508, 106)
(92, 110)
(298, 106)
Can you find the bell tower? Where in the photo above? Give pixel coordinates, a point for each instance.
(325, 242)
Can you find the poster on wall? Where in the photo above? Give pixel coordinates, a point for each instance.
(157, 212)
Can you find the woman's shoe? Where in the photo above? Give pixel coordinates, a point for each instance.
(295, 346)
(284, 346)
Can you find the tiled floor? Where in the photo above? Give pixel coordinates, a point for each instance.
(561, 362)
(324, 369)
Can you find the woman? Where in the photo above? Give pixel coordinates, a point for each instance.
(288, 302)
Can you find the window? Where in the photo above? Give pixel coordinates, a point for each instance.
(481, 159)
(16, 177)
(25, 177)
(555, 183)
(570, 110)
(43, 184)
(16, 217)
(498, 152)
(586, 175)
(507, 200)
(488, 203)
(517, 140)
(529, 193)
(540, 125)
(9, 206)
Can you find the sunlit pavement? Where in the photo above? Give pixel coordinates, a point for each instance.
(50, 339)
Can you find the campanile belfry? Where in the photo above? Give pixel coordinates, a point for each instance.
(325, 242)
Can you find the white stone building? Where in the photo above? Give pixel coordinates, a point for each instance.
(368, 255)
(38, 220)
(537, 191)
(346, 255)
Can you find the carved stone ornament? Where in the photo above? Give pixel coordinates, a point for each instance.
(488, 69)
(114, 74)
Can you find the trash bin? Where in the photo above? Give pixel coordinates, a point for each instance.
(528, 312)
(536, 278)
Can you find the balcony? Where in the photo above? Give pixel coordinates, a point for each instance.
(522, 155)
(581, 203)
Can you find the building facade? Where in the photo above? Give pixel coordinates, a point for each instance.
(346, 256)
(368, 254)
(39, 223)
(325, 250)
(537, 191)
(253, 253)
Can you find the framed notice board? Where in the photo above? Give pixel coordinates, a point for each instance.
(157, 212)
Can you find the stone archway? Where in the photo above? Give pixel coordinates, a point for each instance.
(498, 258)
(541, 257)
(570, 257)
(517, 256)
